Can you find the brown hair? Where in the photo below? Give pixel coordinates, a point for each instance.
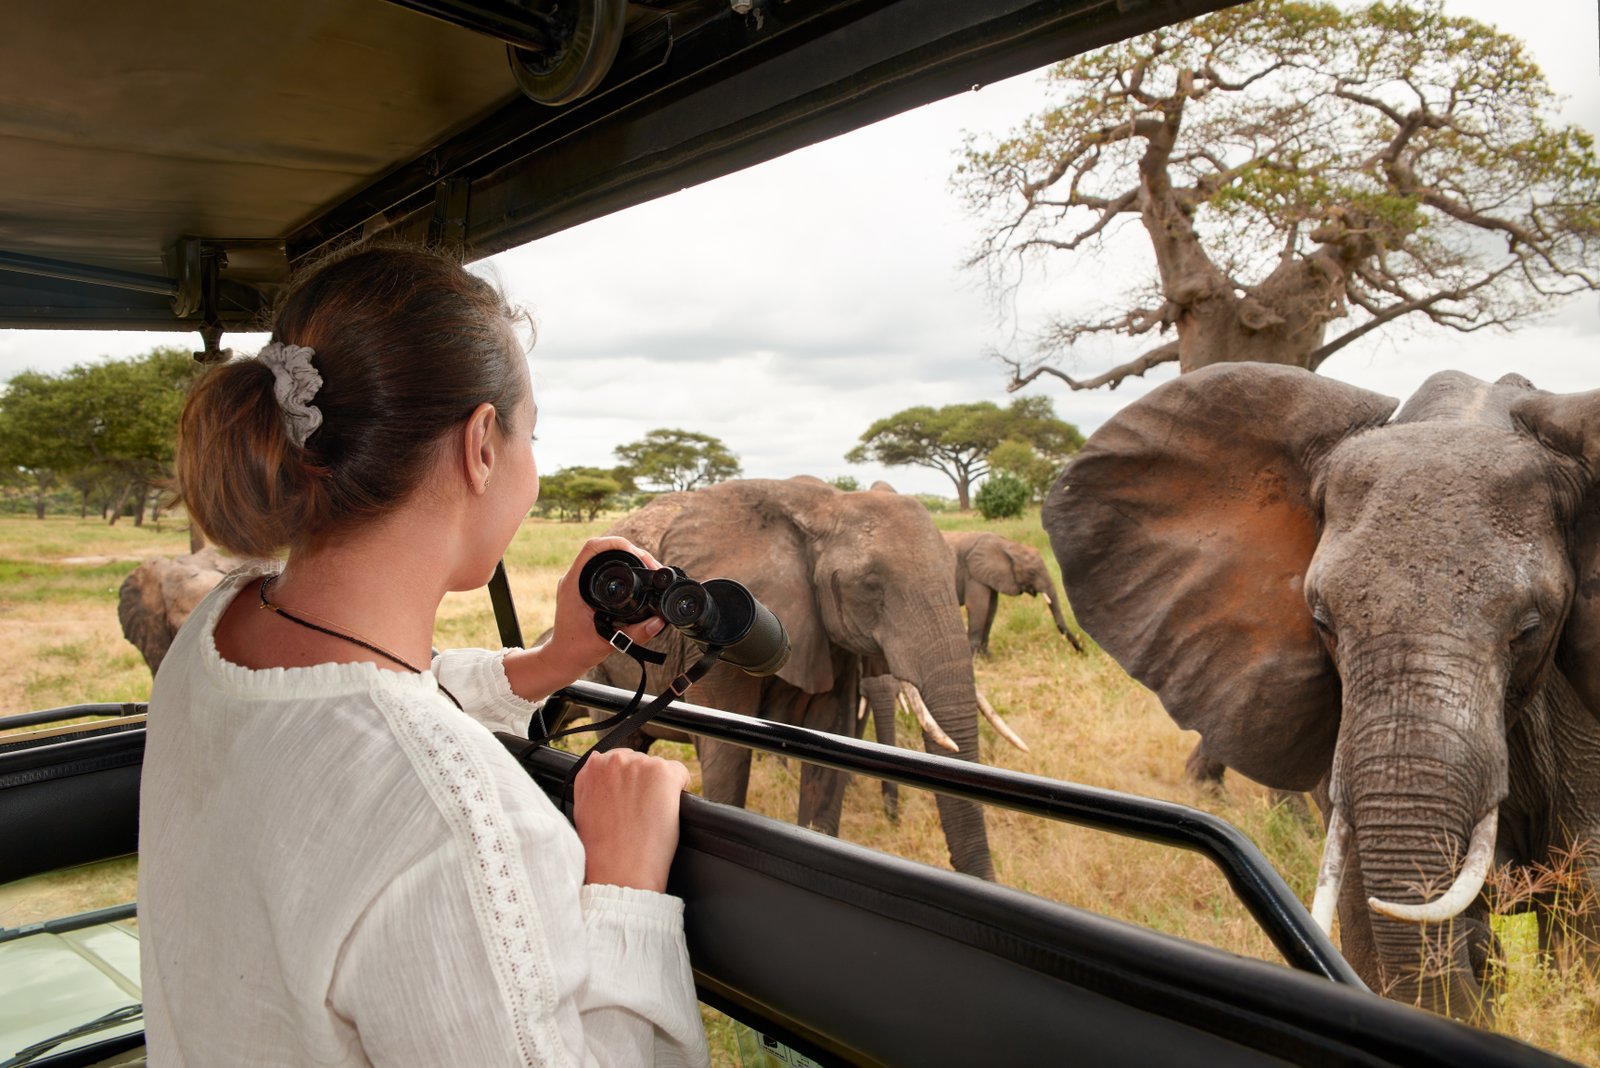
(407, 342)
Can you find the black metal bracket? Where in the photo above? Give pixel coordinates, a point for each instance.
(451, 198)
(505, 612)
(200, 285)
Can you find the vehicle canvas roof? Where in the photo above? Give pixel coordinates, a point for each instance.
(165, 164)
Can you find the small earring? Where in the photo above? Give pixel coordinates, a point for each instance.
(485, 484)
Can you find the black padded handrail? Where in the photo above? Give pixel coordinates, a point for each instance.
(1254, 881)
(62, 924)
(56, 715)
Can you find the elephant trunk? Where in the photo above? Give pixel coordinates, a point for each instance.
(939, 664)
(1420, 770)
(1052, 597)
(1438, 966)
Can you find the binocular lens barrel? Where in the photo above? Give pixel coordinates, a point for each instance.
(759, 645)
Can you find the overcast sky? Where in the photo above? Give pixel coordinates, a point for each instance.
(786, 307)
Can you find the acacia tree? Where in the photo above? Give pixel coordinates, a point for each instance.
(579, 490)
(41, 442)
(678, 459)
(1295, 166)
(957, 439)
(128, 412)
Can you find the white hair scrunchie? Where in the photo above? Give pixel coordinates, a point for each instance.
(295, 382)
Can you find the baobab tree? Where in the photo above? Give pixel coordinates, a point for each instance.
(1304, 176)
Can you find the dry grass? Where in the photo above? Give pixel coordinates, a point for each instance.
(58, 609)
(1083, 718)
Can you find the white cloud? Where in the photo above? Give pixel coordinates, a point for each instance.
(786, 307)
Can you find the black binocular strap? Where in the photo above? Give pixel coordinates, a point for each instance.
(622, 725)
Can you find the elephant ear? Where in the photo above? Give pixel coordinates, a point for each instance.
(746, 531)
(990, 563)
(1184, 528)
(1569, 425)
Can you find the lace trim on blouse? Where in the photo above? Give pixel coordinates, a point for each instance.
(464, 791)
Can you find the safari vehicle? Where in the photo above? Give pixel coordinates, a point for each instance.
(165, 165)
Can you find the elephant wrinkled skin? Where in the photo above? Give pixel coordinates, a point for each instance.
(1405, 613)
(854, 577)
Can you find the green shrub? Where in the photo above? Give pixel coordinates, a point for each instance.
(936, 504)
(1002, 496)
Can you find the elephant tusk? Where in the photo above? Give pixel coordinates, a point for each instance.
(861, 709)
(1048, 602)
(1330, 874)
(1480, 852)
(924, 717)
(999, 724)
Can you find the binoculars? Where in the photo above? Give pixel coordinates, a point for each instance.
(718, 612)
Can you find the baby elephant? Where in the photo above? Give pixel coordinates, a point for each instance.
(988, 565)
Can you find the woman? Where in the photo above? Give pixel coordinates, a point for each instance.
(338, 866)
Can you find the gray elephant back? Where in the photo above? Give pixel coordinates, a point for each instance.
(646, 526)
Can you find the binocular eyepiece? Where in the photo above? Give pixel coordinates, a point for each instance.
(718, 612)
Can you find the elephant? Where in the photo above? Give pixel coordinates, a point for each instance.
(160, 593)
(1400, 613)
(854, 577)
(988, 565)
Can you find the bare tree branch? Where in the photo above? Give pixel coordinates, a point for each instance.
(1167, 353)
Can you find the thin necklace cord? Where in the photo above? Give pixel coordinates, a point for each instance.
(343, 636)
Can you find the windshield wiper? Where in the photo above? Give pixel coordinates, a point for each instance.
(126, 1014)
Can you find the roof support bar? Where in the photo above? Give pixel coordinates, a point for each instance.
(83, 273)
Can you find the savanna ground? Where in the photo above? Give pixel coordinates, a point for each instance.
(1084, 720)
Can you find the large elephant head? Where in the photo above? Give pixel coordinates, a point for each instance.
(1407, 611)
(856, 578)
(159, 595)
(988, 565)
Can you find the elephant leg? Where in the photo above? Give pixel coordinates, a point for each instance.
(880, 691)
(1200, 768)
(822, 789)
(724, 772)
(981, 604)
(821, 798)
(1296, 802)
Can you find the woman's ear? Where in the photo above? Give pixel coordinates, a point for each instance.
(1569, 426)
(1184, 528)
(479, 438)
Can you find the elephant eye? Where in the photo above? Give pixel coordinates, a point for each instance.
(1320, 619)
(1528, 627)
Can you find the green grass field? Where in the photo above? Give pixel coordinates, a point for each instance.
(1084, 720)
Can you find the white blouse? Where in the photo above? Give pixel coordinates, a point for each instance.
(337, 867)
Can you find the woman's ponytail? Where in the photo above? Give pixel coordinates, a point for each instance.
(244, 483)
